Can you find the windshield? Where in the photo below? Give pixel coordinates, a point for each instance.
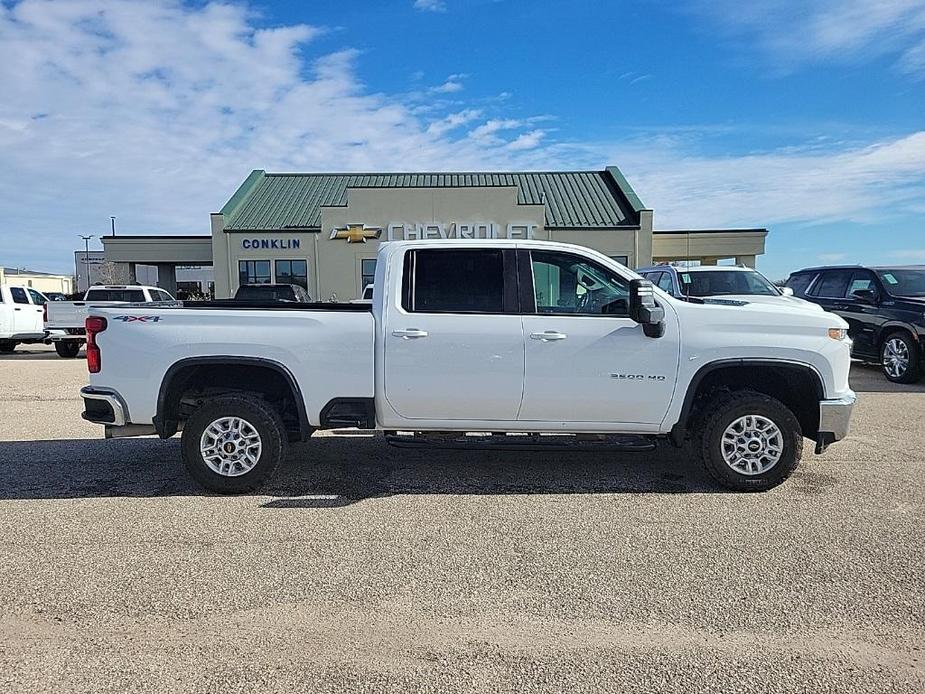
(905, 282)
(719, 282)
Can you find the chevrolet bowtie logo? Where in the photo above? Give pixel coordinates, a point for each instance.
(356, 233)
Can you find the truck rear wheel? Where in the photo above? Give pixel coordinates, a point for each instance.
(67, 349)
(233, 443)
(749, 441)
(7, 346)
(901, 358)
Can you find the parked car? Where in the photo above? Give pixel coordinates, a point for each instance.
(723, 282)
(272, 292)
(516, 338)
(20, 316)
(884, 307)
(55, 296)
(64, 320)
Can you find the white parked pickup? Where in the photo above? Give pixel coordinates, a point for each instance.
(492, 344)
(20, 316)
(64, 320)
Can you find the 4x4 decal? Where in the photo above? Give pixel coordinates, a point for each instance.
(138, 319)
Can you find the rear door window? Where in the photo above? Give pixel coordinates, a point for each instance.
(454, 281)
(833, 284)
(19, 295)
(862, 279)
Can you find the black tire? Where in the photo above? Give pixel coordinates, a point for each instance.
(67, 349)
(256, 412)
(726, 409)
(7, 346)
(913, 371)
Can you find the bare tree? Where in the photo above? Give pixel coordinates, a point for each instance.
(112, 273)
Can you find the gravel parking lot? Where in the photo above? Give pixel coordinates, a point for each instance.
(368, 568)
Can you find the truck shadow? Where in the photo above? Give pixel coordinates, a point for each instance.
(869, 378)
(22, 353)
(337, 471)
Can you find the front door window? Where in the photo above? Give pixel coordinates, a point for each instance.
(566, 284)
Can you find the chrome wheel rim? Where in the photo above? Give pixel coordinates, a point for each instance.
(752, 444)
(895, 357)
(230, 446)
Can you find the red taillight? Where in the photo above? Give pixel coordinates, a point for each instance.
(94, 326)
(45, 312)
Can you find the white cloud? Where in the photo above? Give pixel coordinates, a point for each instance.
(430, 5)
(798, 31)
(911, 255)
(861, 182)
(155, 113)
(527, 140)
(452, 84)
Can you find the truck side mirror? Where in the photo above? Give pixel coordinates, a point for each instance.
(644, 310)
(786, 291)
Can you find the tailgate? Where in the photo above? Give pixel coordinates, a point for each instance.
(72, 314)
(65, 314)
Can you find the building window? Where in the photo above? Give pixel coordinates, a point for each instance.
(622, 259)
(367, 272)
(253, 272)
(292, 272)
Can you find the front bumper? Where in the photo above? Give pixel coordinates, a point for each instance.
(103, 406)
(834, 420)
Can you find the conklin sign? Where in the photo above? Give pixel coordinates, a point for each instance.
(408, 231)
(271, 244)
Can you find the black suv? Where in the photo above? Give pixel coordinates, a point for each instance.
(884, 307)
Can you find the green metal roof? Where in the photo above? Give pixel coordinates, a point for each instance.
(573, 199)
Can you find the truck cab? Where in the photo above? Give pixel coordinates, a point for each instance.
(20, 316)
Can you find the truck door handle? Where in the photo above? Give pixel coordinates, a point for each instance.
(548, 336)
(17, 309)
(409, 333)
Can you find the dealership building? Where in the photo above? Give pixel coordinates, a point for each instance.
(322, 230)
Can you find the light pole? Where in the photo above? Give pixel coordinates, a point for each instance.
(86, 259)
(112, 221)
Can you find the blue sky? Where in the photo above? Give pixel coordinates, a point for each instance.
(804, 117)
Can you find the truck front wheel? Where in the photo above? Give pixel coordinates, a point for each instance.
(233, 443)
(67, 349)
(7, 346)
(749, 441)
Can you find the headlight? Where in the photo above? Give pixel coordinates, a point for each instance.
(838, 333)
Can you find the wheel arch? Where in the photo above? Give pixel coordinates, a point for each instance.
(798, 380)
(891, 327)
(182, 374)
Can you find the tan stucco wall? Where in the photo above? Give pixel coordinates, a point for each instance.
(334, 264)
(708, 247)
(339, 262)
(43, 283)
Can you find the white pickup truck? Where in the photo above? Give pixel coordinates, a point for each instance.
(64, 320)
(20, 316)
(492, 344)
